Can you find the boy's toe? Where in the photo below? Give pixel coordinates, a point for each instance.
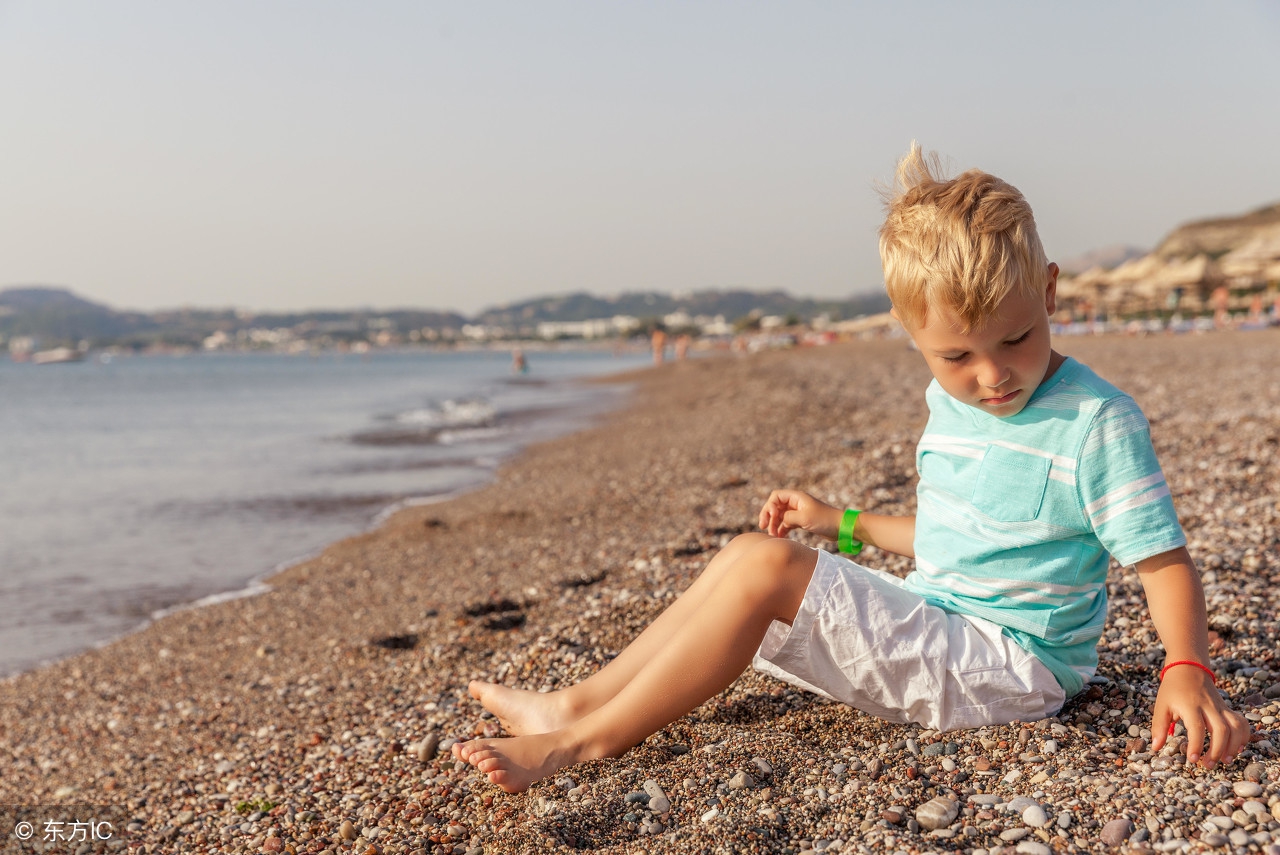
(502, 781)
(490, 762)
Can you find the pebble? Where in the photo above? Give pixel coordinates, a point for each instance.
(1116, 832)
(1247, 789)
(427, 749)
(710, 815)
(763, 766)
(659, 804)
(654, 790)
(1035, 816)
(347, 831)
(741, 781)
(938, 812)
(1254, 808)
(1033, 847)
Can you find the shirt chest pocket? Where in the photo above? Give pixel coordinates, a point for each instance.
(1011, 484)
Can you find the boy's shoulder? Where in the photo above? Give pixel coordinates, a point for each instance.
(1075, 392)
(1075, 380)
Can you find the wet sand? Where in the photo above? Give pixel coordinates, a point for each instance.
(281, 721)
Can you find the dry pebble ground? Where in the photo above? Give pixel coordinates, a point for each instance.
(317, 717)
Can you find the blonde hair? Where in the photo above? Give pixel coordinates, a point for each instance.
(964, 243)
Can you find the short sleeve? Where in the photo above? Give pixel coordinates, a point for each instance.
(1125, 497)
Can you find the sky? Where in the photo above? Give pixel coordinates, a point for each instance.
(281, 154)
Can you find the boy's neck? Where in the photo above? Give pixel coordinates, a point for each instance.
(1055, 362)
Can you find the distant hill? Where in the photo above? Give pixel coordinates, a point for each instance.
(56, 316)
(581, 306)
(1186, 268)
(1218, 236)
(1108, 258)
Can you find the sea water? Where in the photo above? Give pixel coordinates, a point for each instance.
(139, 484)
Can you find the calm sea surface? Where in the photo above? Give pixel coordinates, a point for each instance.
(142, 484)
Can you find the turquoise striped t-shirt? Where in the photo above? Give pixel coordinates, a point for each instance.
(1016, 516)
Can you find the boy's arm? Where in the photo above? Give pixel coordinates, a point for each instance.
(787, 510)
(1187, 693)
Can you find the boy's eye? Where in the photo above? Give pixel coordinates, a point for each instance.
(959, 358)
(1020, 339)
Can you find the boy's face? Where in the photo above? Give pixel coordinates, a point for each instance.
(998, 367)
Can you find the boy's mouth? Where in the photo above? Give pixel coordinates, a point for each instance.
(1004, 399)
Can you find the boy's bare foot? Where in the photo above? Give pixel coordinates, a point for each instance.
(515, 763)
(522, 712)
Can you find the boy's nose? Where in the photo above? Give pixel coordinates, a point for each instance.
(992, 375)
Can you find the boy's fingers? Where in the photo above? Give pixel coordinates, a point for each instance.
(1240, 732)
(1219, 738)
(1195, 738)
(1161, 728)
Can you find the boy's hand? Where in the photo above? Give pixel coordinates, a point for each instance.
(787, 510)
(1187, 694)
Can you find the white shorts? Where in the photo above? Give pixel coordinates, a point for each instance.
(863, 639)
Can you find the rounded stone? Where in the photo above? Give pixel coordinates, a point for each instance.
(1254, 808)
(427, 749)
(741, 781)
(938, 812)
(347, 831)
(1116, 831)
(1033, 847)
(1035, 816)
(1247, 789)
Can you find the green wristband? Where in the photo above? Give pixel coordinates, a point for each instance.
(845, 541)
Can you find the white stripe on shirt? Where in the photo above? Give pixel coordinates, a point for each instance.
(1124, 490)
(1129, 504)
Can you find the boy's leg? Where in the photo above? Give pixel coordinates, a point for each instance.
(525, 712)
(702, 656)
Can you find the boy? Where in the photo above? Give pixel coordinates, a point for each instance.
(1033, 471)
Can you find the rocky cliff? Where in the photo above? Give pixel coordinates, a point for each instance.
(1236, 257)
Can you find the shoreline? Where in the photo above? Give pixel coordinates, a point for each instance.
(317, 696)
(521, 428)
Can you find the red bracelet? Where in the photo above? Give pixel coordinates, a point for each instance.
(1203, 668)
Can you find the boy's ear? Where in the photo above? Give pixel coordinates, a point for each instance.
(1051, 290)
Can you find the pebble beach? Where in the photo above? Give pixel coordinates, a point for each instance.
(317, 717)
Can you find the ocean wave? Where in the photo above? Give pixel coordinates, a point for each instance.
(449, 413)
(472, 434)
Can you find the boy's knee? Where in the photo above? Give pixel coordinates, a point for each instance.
(775, 563)
(743, 542)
